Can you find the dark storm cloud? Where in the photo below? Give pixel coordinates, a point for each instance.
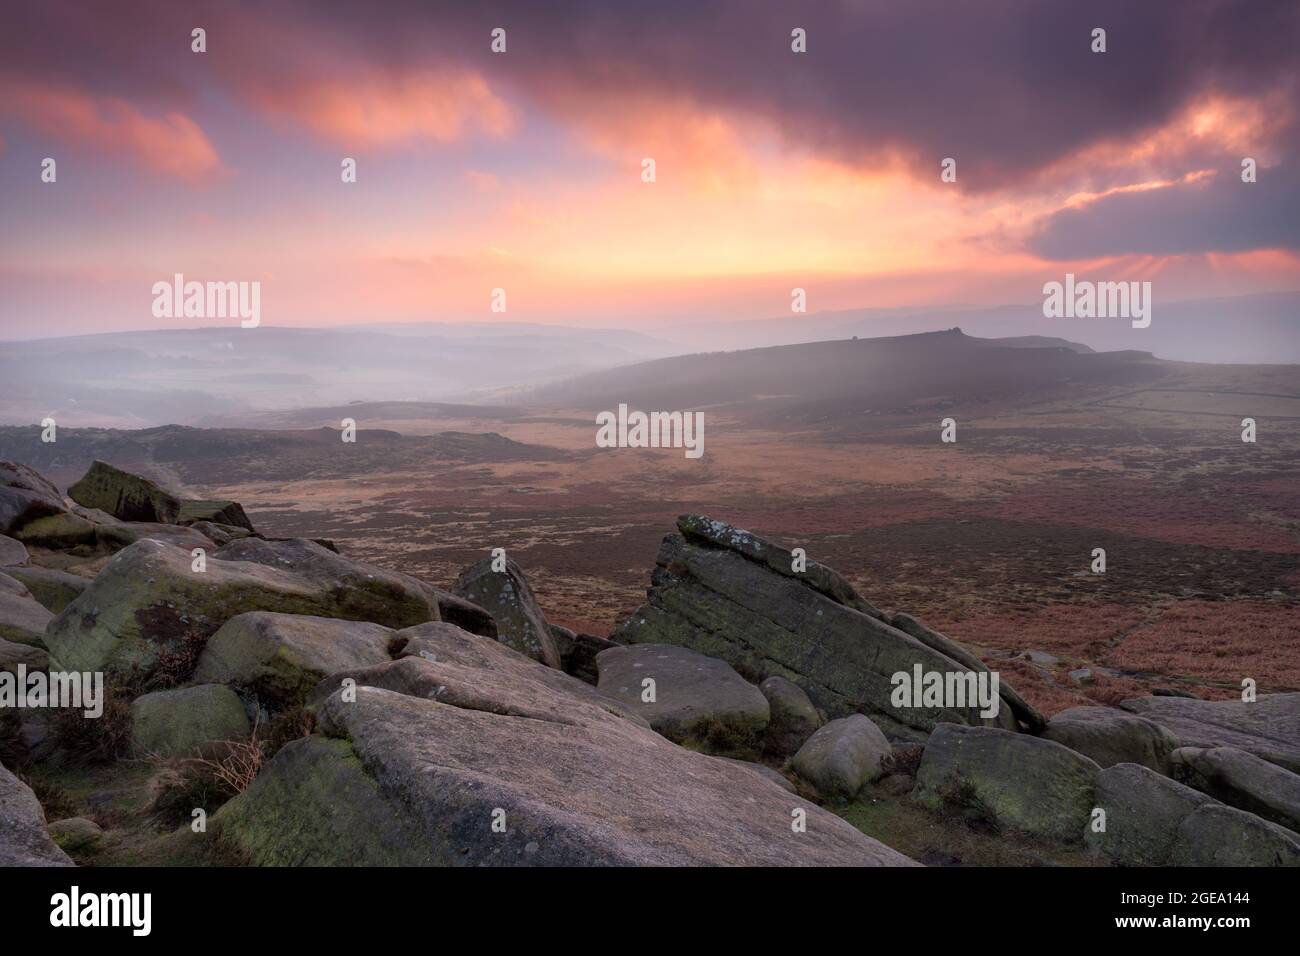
(1006, 86)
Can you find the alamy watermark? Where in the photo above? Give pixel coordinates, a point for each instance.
(950, 690)
(208, 300)
(79, 690)
(1098, 300)
(624, 429)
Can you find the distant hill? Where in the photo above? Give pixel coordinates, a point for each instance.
(1252, 329)
(901, 375)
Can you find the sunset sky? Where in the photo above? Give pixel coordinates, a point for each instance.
(522, 170)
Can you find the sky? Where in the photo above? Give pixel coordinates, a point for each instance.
(523, 170)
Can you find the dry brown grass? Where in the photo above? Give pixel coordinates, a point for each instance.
(1220, 641)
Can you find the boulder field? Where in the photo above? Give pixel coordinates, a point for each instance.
(735, 718)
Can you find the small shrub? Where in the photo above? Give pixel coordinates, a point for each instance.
(961, 796)
(54, 800)
(208, 782)
(238, 762)
(177, 660)
(905, 760)
(101, 739)
(286, 727)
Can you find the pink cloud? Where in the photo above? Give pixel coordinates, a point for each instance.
(172, 144)
(381, 110)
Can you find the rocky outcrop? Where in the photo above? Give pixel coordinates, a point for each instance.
(30, 656)
(413, 780)
(279, 658)
(506, 595)
(53, 590)
(149, 609)
(25, 496)
(115, 535)
(1144, 815)
(578, 652)
(794, 718)
(58, 532)
(219, 533)
(820, 578)
(22, 619)
(466, 662)
(187, 720)
(842, 757)
(13, 553)
(221, 513)
(123, 495)
(1243, 781)
(1111, 736)
(1026, 783)
(24, 841)
(358, 591)
(1268, 727)
(1218, 835)
(690, 695)
(730, 595)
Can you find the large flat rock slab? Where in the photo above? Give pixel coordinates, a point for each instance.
(420, 778)
(1268, 727)
(606, 793)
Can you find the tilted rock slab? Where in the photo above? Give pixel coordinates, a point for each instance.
(507, 596)
(123, 495)
(53, 590)
(1268, 727)
(1144, 814)
(24, 841)
(1024, 711)
(1152, 820)
(469, 671)
(723, 593)
(407, 780)
(1219, 835)
(23, 619)
(1242, 780)
(148, 605)
(25, 496)
(229, 513)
